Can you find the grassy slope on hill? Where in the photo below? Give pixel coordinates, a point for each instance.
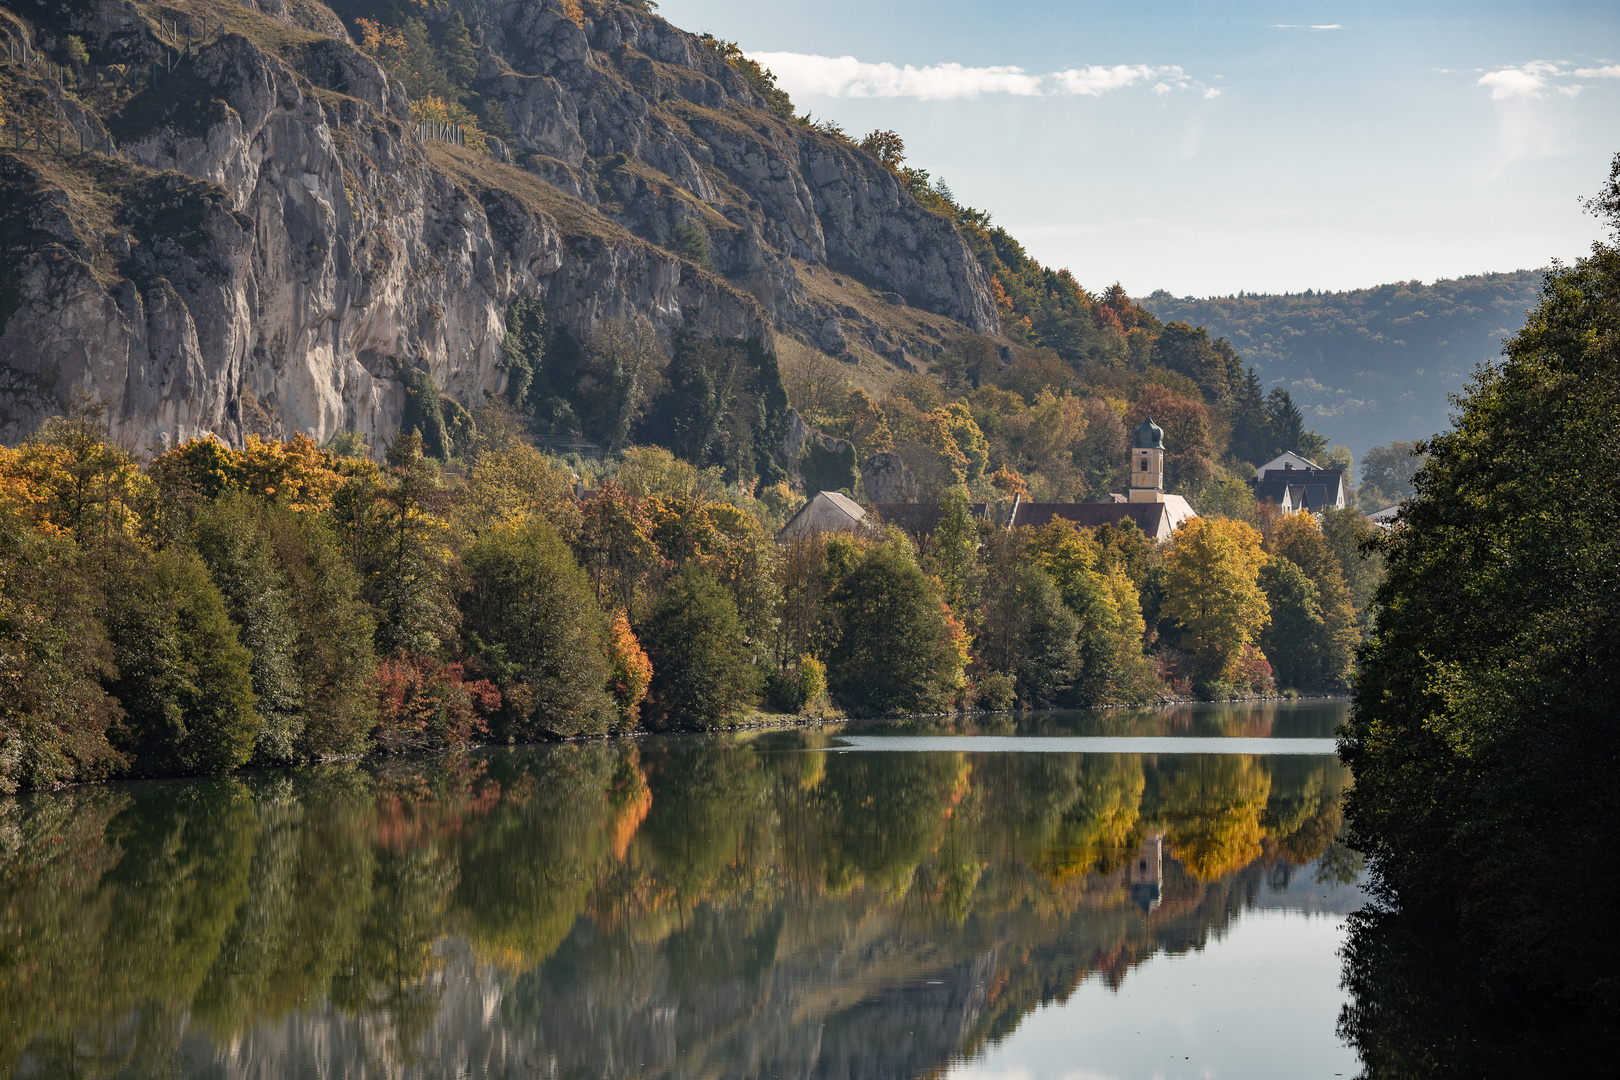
(1370, 365)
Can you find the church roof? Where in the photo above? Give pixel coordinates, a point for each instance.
(1154, 519)
(1147, 435)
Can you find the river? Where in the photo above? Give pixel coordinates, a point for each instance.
(1155, 894)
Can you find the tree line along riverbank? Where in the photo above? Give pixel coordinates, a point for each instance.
(208, 607)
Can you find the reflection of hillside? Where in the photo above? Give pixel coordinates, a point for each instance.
(683, 907)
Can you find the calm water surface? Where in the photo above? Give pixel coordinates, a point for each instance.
(1117, 894)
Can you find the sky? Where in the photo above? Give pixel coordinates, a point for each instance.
(1209, 148)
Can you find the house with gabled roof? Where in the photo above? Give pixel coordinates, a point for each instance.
(1296, 483)
(827, 512)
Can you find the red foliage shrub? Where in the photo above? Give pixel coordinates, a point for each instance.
(424, 704)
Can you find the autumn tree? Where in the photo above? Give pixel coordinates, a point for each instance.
(1213, 592)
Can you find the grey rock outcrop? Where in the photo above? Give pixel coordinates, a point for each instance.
(815, 461)
(885, 479)
(264, 253)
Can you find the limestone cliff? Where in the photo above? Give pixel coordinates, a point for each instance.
(260, 240)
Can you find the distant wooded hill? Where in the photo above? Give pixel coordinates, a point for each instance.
(1371, 365)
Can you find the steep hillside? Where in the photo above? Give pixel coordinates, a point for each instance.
(264, 239)
(1373, 365)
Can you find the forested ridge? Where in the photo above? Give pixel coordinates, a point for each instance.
(1368, 366)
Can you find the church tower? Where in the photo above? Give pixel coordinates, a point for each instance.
(1147, 463)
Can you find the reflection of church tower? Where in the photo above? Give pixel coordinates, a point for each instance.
(1147, 462)
(1147, 873)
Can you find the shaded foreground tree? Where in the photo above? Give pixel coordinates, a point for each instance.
(1482, 740)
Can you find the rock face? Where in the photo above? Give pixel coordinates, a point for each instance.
(815, 461)
(885, 479)
(271, 244)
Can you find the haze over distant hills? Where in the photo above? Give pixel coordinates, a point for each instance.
(1369, 365)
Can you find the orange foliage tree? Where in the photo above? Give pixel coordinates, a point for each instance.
(629, 670)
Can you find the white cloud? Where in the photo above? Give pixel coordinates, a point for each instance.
(1096, 80)
(1212, 92)
(808, 74)
(845, 76)
(1512, 83)
(1303, 26)
(1529, 80)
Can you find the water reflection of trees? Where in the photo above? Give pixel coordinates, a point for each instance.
(733, 907)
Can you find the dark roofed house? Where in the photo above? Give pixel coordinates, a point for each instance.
(1295, 483)
(919, 519)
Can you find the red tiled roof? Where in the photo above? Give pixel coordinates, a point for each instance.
(1151, 518)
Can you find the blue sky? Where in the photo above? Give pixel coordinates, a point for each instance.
(1208, 148)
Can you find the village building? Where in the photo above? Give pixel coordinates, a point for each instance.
(1296, 483)
(1386, 517)
(826, 512)
(1145, 503)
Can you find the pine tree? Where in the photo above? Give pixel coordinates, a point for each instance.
(459, 59)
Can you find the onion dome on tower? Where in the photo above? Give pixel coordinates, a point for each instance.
(1147, 462)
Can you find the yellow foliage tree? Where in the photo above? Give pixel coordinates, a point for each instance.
(1212, 590)
(629, 670)
(296, 472)
(69, 479)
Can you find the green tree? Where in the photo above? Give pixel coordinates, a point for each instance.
(624, 365)
(231, 537)
(1295, 638)
(1299, 539)
(335, 631)
(695, 641)
(54, 653)
(1351, 538)
(1387, 472)
(898, 650)
(184, 680)
(1028, 632)
(404, 552)
(460, 61)
(529, 612)
(953, 550)
(1482, 752)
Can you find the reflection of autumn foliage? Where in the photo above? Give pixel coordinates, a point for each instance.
(1213, 808)
(423, 703)
(631, 800)
(414, 808)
